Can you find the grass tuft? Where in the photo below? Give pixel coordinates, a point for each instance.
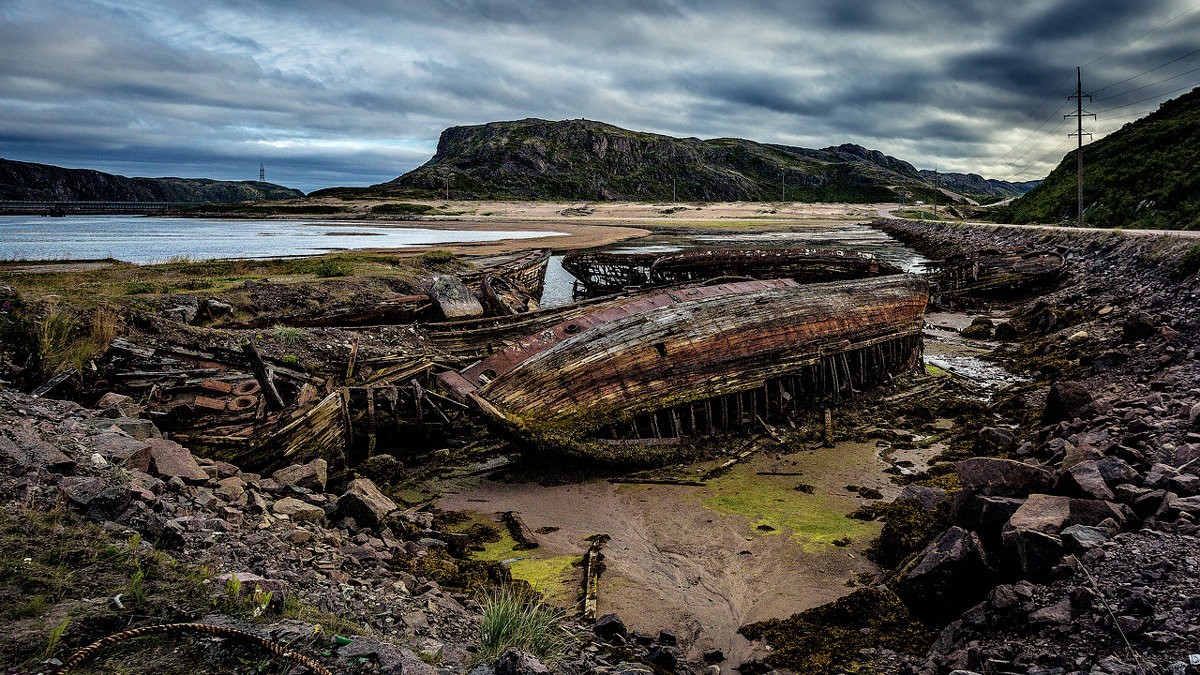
(512, 618)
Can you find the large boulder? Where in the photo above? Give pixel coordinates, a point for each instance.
(995, 441)
(1084, 480)
(1139, 326)
(312, 475)
(609, 625)
(364, 503)
(929, 497)
(1002, 477)
(1065, 401)
(937, 580)
(392, 660)
(166, 458)
(297, 510)
(33, 453)
(983, 513)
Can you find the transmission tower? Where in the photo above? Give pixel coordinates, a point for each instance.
(262, 173)
(1079, 115)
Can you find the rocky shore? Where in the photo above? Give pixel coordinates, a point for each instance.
(160, 536)
(1073, 541)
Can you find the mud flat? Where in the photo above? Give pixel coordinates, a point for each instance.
(706, 559)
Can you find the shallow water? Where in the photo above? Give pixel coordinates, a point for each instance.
(143, 239)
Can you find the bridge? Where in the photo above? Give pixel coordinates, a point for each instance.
(49, 208)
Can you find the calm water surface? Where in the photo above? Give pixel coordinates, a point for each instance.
(140, 239)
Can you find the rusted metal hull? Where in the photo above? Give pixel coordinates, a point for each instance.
(612, 272)
(999, 273)
(655, 366)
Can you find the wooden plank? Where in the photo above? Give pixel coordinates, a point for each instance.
(519, 531)
(274, 400)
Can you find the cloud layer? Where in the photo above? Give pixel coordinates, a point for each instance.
(354, 92)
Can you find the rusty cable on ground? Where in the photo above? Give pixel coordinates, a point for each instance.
(176, 628)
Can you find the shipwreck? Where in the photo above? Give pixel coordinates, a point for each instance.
(994, 272)
(600, 272)
(694, 361)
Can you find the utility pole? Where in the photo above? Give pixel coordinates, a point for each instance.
(262, 173)
(937, 187)
(446, 183)
(783, 187)
(1079, 115)
(673, 199)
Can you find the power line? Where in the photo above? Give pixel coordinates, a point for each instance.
(1149, 98)
(1171, 20)
(1130, 91)
(1194, 51)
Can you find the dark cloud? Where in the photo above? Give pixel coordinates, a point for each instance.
(337, 92)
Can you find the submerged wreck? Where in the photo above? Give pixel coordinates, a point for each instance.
(694, 361)
(599, 272)
(997, 272)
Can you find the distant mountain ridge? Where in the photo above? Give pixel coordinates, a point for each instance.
(977, 186)
(588, 160)
(1144, 175)
(27, 181)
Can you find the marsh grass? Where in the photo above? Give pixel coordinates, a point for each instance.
(512, 618)
(288, 336)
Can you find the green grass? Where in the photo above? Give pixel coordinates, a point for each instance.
(1189, 264)
(512, 618)
(331, 267)
(288, 336)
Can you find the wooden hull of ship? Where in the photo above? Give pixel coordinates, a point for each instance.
(999, 274)
(664, 359)
(600, 272)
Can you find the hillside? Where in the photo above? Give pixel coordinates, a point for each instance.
(1146, 175)
(26, 181)
(977, 187)
(582, 159)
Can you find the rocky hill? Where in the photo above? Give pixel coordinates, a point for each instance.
(582, 159)
(1142, 176)
(26, 181)
(976, 186)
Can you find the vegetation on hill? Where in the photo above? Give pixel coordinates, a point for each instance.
(1146, 175)
(26, 181)
(582, 159)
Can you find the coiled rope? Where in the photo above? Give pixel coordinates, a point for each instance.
(175, 628)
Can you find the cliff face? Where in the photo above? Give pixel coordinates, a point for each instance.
(26, 181)
(581, 159)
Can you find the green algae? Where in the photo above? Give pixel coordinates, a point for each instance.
(551, 576)
(817, 520)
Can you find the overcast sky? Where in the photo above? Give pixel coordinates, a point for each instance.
(355, 92)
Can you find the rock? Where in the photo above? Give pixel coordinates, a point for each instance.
(981, 512)
(1006, 332)
(1035, 553)
(216, 309)
(1194, 416)
(1115, 471)
(167, 458)
(994, 441)
(95, 497)
(230, 488)
(364, 503)
(1138, 326)
(120, 403)
(938, 579)
(180, 313)
(452, 298)
(34, 453)
(663, 657)
(1080, 539)
(1188, 505)
(929, 497)
(714, 655)
(1002, 477)
(666, 637)
(1108, 360)
(297, 510)
(392, 660)
(1064, 402)
(980, 329)
(1084, 480)
(1057, 614)
(513, 661)
(609, 625)
(312, 475)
